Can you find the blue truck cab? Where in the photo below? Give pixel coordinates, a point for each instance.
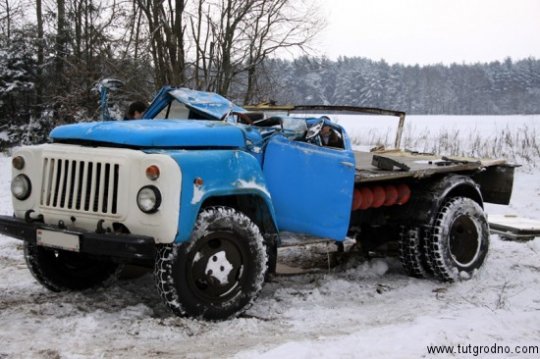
(200, 189)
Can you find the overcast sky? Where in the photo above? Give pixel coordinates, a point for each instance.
(431, 31)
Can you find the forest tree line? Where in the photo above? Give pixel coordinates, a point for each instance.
(495, 88)
(53, 53)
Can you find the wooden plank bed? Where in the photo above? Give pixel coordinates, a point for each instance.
(413, 165)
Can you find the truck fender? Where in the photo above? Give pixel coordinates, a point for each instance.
(220, 177)
(427, 199)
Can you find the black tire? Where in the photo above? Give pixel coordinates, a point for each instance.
(411, 252)
(219, 272)
(459, 241)
(270, 241)
(60, 270)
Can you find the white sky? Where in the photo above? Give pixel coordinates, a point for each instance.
(431, 31)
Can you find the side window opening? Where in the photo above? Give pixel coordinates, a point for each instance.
(324, 133)
(175, 109)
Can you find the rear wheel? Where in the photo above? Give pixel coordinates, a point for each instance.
(459, 242)
(411, 252)
(60, 270)
(219, 272)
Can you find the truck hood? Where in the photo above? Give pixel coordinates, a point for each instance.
(152, 133)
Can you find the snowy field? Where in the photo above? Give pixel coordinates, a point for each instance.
(356, 310)
(512, 137)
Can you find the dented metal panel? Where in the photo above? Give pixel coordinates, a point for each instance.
(332, 109)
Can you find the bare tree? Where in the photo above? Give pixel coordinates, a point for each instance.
(40, 49)
(5, 18)
(11, 14)
(232, 38)
(61, 38)
(274, 26)
(210, 44)
(166, 28)
(201, 39)
(133, 33)
(232, 25)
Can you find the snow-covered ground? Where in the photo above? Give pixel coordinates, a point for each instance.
(357, 310)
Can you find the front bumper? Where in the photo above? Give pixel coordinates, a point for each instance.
(127, 248)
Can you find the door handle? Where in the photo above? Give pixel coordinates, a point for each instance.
(347, 164)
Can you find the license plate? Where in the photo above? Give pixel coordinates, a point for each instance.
(58, 240)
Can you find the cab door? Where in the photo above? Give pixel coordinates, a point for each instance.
(311, 187)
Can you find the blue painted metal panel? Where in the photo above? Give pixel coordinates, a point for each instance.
(155, 133)
(212, 104)
(311, 187)
(159, 102)
(224, 173)
(209, 103)
(254, 141)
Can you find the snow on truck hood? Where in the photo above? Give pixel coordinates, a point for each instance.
(153, 133)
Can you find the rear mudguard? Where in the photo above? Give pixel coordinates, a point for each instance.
(427, 198)
(496, 183)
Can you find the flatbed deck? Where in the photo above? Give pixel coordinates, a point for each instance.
(413, 165)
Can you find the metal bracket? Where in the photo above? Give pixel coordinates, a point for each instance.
(388, 164)
(29, 219)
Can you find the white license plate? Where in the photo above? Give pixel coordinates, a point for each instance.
(58, 240)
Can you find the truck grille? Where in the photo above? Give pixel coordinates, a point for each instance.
(84, 186)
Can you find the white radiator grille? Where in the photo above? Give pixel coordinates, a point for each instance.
(82, 186)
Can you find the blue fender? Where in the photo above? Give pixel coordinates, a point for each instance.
(223, 173)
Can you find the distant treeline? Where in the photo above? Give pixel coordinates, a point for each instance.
(494, 88)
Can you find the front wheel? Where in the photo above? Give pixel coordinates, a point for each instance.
(459, 242)
(219, 272)
(60, 270)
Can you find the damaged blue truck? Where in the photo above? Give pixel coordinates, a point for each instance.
(200, 190)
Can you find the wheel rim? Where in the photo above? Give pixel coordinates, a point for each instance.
(215, 270)
(465, 241)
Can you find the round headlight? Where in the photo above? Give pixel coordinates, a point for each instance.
(149, 199)
(21, 187)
